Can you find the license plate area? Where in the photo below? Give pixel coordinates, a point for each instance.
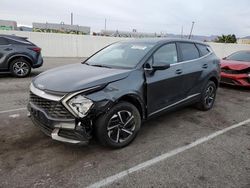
(41, 117)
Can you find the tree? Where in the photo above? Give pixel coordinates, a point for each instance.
(226, 39)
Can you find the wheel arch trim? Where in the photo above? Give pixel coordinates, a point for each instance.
(136, 101)
(19, 56)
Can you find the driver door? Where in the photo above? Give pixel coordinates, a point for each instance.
(164, 87)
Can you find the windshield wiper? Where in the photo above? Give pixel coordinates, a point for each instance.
(105, 66)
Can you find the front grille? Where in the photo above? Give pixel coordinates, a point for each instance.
(53, 109)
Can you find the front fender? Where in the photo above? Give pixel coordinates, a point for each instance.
(119, 90)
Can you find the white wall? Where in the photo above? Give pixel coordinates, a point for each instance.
(68, 45)
(65, 45)
(223, 50)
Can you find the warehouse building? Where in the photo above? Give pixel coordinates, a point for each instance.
(8, 25)
(61, 28)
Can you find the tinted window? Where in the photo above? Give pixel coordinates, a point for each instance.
(3, 41)
(17, 40)
(203, 49)
(166, 54)
(240, 56)
(189, 51)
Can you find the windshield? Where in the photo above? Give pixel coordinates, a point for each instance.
(120, 55)
(239, 56)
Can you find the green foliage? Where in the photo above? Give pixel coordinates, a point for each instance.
(226, 39)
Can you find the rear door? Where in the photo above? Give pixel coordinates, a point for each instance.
(164, 87)
(192, 67)
(5, 48)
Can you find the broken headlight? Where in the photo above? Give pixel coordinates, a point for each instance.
(80, 105)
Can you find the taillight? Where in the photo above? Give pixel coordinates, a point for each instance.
(36, 49)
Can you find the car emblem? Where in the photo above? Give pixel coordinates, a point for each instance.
(40, 86)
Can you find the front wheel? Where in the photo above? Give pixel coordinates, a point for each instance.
(207, 97)
(119, 126)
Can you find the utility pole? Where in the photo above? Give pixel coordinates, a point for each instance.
(191, 30)
(105, 24)
(71, 18)
(181, 31)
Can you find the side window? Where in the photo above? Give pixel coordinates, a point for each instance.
(203, 49)
(3, 41)
(166, 54)
(189, 51)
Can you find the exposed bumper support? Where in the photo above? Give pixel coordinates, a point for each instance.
(55, 136)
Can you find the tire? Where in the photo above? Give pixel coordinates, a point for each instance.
(119, 126)
(207, 97)
(20, 68)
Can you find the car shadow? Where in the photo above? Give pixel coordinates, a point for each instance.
(243, 89)
(8, 75)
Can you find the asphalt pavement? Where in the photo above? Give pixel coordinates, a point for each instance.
(28, 158)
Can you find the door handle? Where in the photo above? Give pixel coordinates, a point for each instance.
(8, 49)
(204, 66)
(178, 71)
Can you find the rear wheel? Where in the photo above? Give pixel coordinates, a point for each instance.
(20, 68)
(119, 126)
(207, 97)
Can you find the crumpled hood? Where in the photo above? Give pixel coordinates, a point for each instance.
(235, 65)
(76, 77)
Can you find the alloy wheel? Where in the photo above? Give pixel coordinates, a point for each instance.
(209, 96)
(121, 126)
(21, 68)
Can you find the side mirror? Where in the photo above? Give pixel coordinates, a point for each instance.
(161, 66)
(224, 58)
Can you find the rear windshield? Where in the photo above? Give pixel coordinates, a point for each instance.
(240, 56)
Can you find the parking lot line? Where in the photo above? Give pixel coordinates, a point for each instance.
(120, 175)
(12, 110)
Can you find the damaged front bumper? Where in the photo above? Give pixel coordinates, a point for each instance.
(236, 79)
(64, 130)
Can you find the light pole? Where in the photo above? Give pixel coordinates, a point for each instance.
(181, 31)
(105, 24)
(191, 30)
(71, 18)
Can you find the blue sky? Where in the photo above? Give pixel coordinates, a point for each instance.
(212, 17)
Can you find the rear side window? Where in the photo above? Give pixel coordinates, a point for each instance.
(166, 54)
(3, 41)
(189, 51)
(18, 41)
(204, 50)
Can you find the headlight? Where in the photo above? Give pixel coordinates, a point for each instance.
(80, 105)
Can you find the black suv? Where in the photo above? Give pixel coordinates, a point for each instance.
(18, 55)
(113, 91)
